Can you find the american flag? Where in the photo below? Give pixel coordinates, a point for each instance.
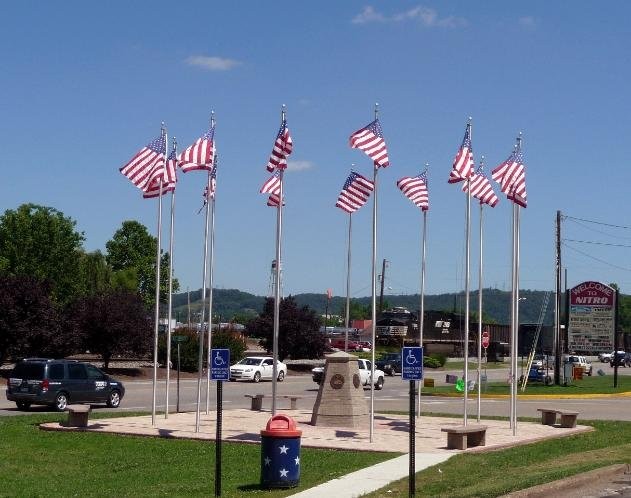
(481, 188)
(463, 162)
(355, 192)
(213, 186)
(168, 180)
(370, 140)
(282, 148)
(147, 164)
(415, 189)
(274, 200)
(272, 185)
(200, 155)
(511, 175)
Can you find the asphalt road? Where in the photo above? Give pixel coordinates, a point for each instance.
(394, 396)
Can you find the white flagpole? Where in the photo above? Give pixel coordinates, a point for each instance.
(516, 332)
(157, 313)
(348, 284)
(210, 286)
(279, 232)
(480, 317)
(200, 336)
(513, 354)
(421, 320)
(466, 309)
(374, 293)
(170, 314)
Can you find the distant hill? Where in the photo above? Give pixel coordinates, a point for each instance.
(230, 302)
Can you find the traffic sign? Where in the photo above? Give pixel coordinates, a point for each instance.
(220, 364)
(485, 339)
(412, 363)
(179, 338)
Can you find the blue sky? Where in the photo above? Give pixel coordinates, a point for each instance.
(85, 85)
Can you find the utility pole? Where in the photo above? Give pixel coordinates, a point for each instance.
(557, 314)
(383, 279)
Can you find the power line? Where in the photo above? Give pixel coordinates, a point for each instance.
(596, 259)
(597, 243)
(596, 222)
(600, 231)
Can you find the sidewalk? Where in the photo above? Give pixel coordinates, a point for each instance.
(390, 434)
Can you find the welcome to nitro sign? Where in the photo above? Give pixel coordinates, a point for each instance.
(592, 317)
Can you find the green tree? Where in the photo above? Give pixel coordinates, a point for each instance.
(114, 323)
(30, 324)
(41, 242)
(298, 330)
(131, 254)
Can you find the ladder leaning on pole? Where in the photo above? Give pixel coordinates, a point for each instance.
(533, 349)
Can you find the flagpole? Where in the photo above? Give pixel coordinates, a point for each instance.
(157, 296)
(513, 355)
(421, 320)
(516, 330)
(279, 232)
(200, 336)
(348, 284)
(374, 293)
(170, 314)
(466, 309)
(480, 316)
(211, 263)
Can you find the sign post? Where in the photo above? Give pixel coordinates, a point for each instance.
(178, 339)
(486, 340)
(412, 370)
(219, 371)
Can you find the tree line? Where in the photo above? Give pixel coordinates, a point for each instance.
(58, 299)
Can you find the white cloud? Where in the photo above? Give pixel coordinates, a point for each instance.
(527, 22)
(368, 15)
(299, 165)
(426, 16)
(212, 63)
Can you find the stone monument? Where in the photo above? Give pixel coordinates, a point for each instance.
(340, 401)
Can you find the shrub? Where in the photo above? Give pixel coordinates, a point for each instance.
(431, 362)
(189, 349)
(440, 358)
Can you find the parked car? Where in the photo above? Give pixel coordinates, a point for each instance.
(605, 357)
(537, 374)
(57, 383)
(363, 366)
(366, 346)
(390, 363)
(257, 368)
(340, 343)
(621, 359)
(580, 361)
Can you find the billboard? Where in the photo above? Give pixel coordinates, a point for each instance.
(591, 318)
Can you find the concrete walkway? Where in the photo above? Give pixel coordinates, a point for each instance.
(390, 434)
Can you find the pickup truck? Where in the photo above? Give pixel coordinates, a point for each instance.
(363, 366)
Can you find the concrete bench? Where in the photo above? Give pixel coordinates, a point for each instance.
(549, 417)
(292, 400)
(257, 401)
(78, 415)
(462, 437)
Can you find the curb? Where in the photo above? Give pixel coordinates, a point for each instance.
(625, 394)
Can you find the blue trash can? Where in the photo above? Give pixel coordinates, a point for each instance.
(280, 453)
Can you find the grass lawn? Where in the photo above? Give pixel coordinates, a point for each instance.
(43, 463)
(500, 472)
(595, 384)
